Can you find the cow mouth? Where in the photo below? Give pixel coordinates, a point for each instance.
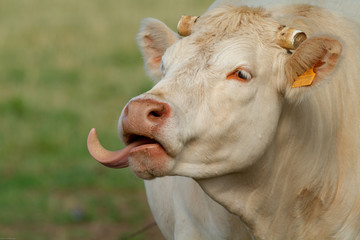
(148, 159)
(142, 143)
(137, 146)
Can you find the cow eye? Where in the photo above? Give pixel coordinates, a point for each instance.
(243, 74)
(240, 75)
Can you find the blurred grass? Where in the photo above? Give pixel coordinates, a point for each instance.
(67, 66)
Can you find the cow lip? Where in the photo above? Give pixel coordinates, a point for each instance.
(145, 146)
(145, 142)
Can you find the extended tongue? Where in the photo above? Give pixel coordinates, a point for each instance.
(113, 159)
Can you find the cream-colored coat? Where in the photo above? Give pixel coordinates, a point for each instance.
(183, 211)
(284, 160)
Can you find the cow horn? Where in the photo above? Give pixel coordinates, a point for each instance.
(185, 24)
(290, 38)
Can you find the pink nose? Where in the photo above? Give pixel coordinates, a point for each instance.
(143, 117)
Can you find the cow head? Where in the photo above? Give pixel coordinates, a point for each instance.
(220, 92)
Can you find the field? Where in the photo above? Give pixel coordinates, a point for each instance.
(67, 66)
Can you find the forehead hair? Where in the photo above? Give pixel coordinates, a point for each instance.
(229, 21)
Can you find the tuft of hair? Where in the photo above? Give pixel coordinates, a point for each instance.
(226, 21)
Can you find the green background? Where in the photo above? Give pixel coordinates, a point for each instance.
(67, 66)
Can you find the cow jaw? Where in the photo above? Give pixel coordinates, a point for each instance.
(149, 161)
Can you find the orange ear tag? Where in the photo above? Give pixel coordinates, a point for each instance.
(306, 79)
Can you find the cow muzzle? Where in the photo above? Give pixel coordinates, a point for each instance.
(140, 126)
(143, 118)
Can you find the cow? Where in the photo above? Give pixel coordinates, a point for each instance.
(261, 108)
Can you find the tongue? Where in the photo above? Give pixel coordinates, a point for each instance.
(113, 159)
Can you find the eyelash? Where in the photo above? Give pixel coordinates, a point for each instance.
(239, 75)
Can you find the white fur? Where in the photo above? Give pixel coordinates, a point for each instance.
(183, 211)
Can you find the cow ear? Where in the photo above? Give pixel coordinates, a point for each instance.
(310, 65)
(153, 40)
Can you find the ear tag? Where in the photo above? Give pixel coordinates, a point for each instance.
(306, 79)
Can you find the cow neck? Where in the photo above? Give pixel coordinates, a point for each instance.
(289, 192)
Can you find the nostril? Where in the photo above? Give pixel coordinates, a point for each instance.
(155, 114)
(158, 112)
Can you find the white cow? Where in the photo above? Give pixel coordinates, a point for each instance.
(271, 134)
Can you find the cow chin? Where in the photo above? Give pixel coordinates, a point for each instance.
(150, 161)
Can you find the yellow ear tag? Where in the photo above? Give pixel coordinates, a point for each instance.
(306, 79)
